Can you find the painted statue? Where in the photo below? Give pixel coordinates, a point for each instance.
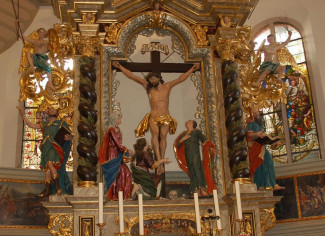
(55, 147)
(159, 121)
(271, 62)
(142, 161)
(112, 156)
(260, 159)
(187, 148)
(38, 58)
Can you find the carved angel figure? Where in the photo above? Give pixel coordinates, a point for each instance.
(35, 51)
(273, 54)
(44, 53)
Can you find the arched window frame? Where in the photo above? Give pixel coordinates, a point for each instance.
(271, 24)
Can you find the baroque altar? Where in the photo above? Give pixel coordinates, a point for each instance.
(221, 45)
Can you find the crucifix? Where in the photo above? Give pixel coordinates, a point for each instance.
(158, 120)
(156, 66)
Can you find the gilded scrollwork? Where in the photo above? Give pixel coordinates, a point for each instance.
(201, 34)
(225, 49)
(66, 41)
(267, 219)
(33, 83)
(88, 18)
(88, 46)
(272, 92)
(243, 46)
(61, 224)
(112, 32)
(165, 221)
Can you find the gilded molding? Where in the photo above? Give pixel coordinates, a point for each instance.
(165, 219)
(87, 46)
(267, 219)
(201, 34)
(61, 224)
(88, 18)
(111, 33)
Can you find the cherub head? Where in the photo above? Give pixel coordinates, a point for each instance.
(156, 5)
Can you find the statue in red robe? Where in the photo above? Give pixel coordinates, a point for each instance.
(113, 156)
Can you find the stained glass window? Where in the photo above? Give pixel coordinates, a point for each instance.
(294, 121)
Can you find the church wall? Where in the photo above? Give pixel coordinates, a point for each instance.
(10, 134)
(309, 15)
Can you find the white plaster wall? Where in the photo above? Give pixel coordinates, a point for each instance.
(310, 15)
(9, 89)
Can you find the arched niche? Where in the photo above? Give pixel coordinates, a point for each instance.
(184, 43)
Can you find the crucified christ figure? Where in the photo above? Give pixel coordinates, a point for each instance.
(159, 121)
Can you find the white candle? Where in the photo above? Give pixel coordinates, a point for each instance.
(197, 213)
(100, 203)
(120, 210)
(216, 207)
(141, 229)
(239, 209)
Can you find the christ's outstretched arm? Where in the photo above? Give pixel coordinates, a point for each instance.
(129, 74)
(184, 76)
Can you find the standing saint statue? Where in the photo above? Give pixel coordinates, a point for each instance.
(113, 156)
(260, 159)
(159, 121)
(56, 146)
(187, 148)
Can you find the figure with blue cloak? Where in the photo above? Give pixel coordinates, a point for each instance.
(260, 159)
(55, 147)
(113, 157)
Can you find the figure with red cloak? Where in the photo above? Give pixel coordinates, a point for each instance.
(113, 156)
(187, 149)
(260, 159)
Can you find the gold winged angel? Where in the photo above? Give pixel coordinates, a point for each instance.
(276, 57)
(35, 55)
(43, 54)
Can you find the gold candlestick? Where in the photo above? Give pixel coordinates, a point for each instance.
(101, 225)
(241, 227)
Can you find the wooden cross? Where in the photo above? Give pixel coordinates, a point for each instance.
(156, 66)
